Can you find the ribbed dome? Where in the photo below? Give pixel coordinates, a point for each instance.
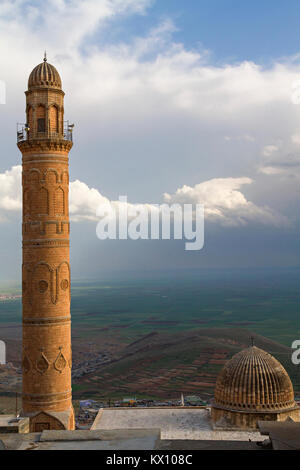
(253, 380)
(44, 75)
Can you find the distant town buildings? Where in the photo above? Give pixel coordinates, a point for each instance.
(5, 297)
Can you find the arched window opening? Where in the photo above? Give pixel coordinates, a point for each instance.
(53, 119)
(59, 202)
(41, 121)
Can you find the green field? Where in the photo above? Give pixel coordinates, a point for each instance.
(167, 333)
(266, 302)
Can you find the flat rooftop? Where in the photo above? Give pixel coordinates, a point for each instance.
(141, 439)
(174, 423)
(139, 429)
(122, 439)
(9, 424)
(283, 435)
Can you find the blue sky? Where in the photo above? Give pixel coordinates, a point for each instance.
(195, 101)
(233, 30)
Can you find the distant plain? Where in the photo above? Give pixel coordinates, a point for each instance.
(135, 318)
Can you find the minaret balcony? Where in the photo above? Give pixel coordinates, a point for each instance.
(24, 133)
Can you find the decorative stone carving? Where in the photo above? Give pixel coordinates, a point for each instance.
(60, 362)
(43, 286)
(42, 364)
(64, 284)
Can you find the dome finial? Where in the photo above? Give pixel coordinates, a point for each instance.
(45, 56)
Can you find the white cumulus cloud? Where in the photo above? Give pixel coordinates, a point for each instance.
(283, 159)
(84, 201)
(151, 90)
(225, 203)
(268, 150)
(10, 191)
(222, 197)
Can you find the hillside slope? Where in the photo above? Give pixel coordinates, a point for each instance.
(161, 365)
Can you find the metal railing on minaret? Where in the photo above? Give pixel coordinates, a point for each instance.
(25, 133)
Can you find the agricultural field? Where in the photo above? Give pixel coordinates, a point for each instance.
(170, 334)
(267, 304)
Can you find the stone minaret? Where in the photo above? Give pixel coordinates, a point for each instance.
(45, 143)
